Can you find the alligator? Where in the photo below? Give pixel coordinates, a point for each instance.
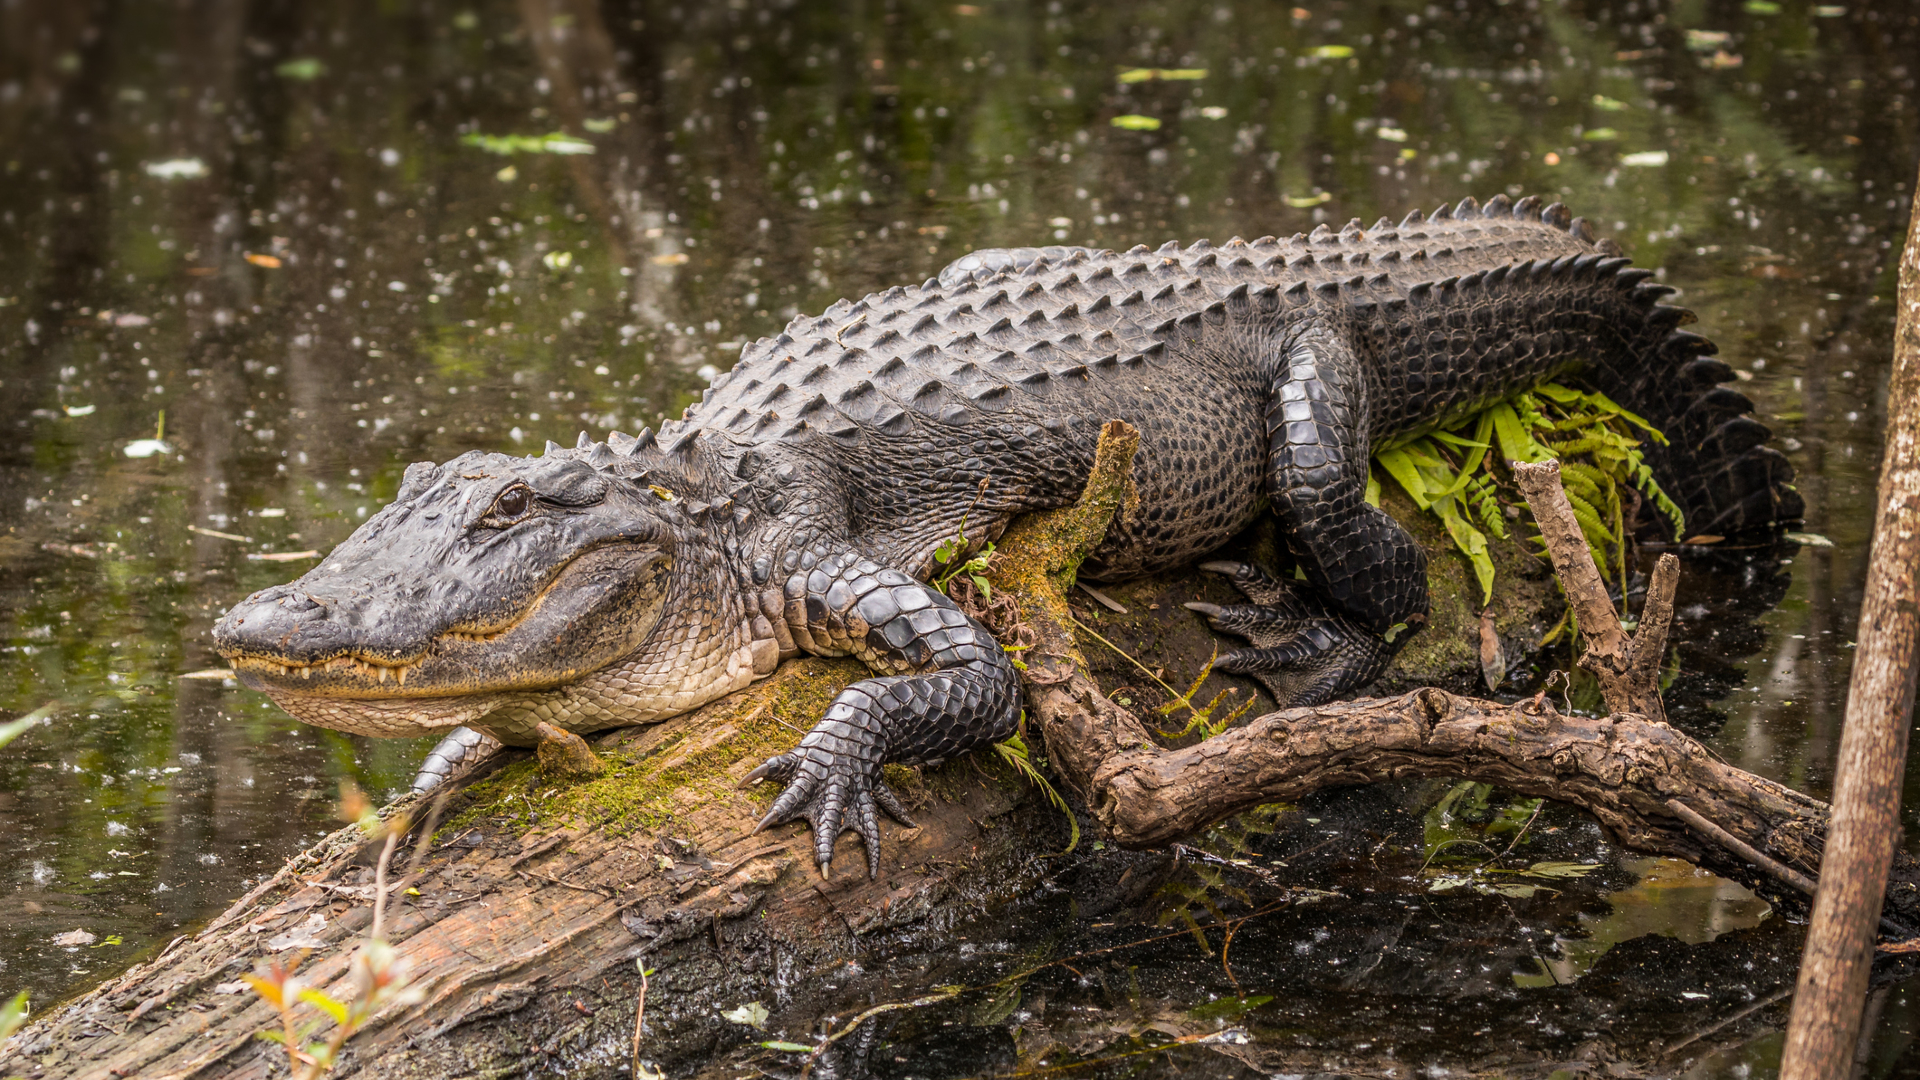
(799, 505)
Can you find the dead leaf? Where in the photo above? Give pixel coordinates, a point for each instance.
(74, 939)
(265, 262)
(1493, 657)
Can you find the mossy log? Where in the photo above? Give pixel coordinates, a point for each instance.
(536, 895)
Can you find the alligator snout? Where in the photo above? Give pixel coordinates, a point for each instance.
(289, 625)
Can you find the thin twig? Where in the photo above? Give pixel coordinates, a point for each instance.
(380, 882)
(1725, 839)
(639, 1017)
(597, 890)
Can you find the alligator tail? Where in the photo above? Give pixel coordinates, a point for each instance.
(1717, 464)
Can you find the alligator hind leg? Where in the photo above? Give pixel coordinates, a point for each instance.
(1370, 577)
(1304, 653)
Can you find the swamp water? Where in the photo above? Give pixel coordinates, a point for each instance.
(260, 257)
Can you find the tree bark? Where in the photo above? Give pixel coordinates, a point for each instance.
(1834, 966)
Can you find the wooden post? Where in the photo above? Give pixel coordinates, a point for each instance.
(1822, 1033)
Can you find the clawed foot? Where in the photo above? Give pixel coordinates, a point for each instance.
(1305, 653)
(833, 781)
(562, 753)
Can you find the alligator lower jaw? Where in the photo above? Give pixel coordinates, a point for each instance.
(386, 718)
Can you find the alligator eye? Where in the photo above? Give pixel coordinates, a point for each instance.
(510, 507)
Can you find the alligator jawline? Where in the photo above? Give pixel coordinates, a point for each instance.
(379, 670)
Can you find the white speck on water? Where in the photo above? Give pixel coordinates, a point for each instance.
(176, 169)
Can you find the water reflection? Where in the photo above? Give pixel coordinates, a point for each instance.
(275, 238)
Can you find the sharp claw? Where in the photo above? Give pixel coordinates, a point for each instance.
(1211, 611)
(868, 826)
(889, 801)
(756, 775)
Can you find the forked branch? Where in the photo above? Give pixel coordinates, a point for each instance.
(1628, 667)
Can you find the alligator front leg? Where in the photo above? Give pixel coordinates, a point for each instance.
(946, 688)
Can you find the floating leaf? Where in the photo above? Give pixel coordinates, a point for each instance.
(1707, 40)
(265, 262)
(1228, 1007)
(73, 939)
(1391, 134)
(1760, 7)
(1553, 869)
(556, 143)
(1136, 122)
(1214, 112)
(601, 125)
(1600, 134)
(301, 69)
(176, 169)
(142, 448)
(1303, 202)
(674, 258)
(1807, 538)
(1602, 101)
(1332, 52)
(557, 260)
(1645, 159)
(787, 1047)
(78, 410)
(1135, 75)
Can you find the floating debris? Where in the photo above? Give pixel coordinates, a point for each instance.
(1136, 122)
(1645, 159)
(301, 69)
(753, 1014)
(176, 169)
(558, 142)
(145, 448)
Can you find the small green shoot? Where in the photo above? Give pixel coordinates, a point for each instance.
(557, 142)
(15, 728)
(377, 974)
(13, 1015)
(1015, 753)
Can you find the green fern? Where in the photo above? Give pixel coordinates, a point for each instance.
(1449, 470)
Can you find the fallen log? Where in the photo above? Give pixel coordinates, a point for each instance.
(540, 899)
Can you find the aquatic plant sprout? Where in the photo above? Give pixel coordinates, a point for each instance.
(1448, 471)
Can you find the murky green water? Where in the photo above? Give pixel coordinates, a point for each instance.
(259, 257)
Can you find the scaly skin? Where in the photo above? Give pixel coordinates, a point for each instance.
(797, 507)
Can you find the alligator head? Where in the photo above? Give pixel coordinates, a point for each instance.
(499, 592)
